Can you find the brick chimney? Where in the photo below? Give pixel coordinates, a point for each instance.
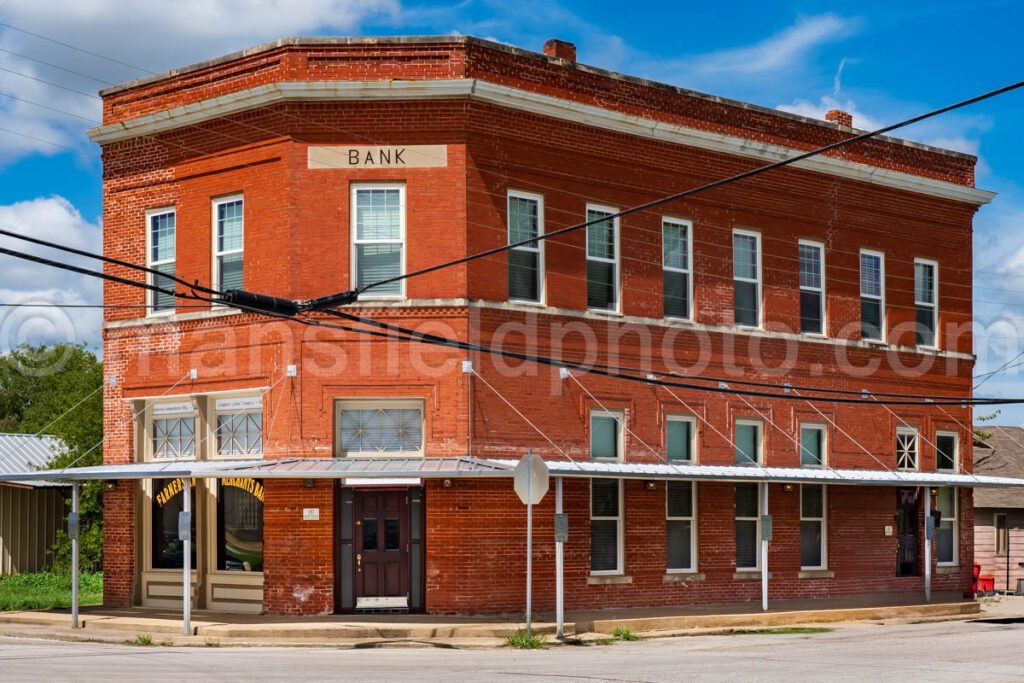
(840, 118)
(560, 49)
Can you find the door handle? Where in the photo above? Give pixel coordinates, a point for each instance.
(359, 562)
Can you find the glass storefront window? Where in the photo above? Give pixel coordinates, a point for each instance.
(240, 525)
(168, 549)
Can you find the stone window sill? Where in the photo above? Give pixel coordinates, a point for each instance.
(947, 570)
(608, 579)
(752, 575)
(683, 577)
(816, 574)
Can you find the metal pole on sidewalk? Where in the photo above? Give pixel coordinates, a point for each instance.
(529, 557)
(559, 569)
(73, 528)
(929, 531)
(185, 532)
(764, 547)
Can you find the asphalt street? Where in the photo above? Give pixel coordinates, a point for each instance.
(950, 651)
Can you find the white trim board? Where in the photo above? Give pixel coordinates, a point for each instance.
(535, 103)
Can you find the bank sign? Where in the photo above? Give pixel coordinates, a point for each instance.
(377, 156)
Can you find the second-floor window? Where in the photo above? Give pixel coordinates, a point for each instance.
(812, 288)
(378, 227)
(746, 275)
(675, 261)
(160, 256)
(906, 448)
(173, 430)
(525, 263)
(605, 435)
(748, 442)
(679, 438)
(872, 295)
(945, 451)
(228, 243)
(925, 302)
(812, 445)
(602, 260)
(239, 426)
(380, 428)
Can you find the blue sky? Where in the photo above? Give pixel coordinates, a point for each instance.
(881, 61)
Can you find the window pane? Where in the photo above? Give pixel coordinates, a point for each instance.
(925, 327)
(746, 500)
(604, 498)
(378, 214)
(677, 294)
(678, 544)
(600, 236)
(168, 551)
(174, 437)
(392, 534)
(679, 439)
(674, 246)
(945, 539)
(746, 443)
(744, 256)
(945, 452)
(163, 301)
(945, 502)
(810, 312)
(870, 275)
(604, 545)
(924, 283)
(811, 446)
(240, 434)
(870, 319)
(680, 499)
(746, 544)
(240, 525)
(810, 544)
(370, 529)
(230, 271)
(600, 285)
(523, 220)
(906, 451)
(383, 430)
(812, 501)
(161, 237)
(810, 266)
(745, 309)
(604, 436)
(524, 275)
(377, 262)
(229, 226)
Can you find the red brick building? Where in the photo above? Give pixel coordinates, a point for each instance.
(309, 166)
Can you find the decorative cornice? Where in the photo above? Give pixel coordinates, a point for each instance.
(536, 103)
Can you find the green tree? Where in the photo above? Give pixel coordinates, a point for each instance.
(57, 390)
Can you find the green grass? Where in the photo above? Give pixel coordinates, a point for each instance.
(626, 633)
(788, 630)
(143, 639)
(45, 590)
(520, 641)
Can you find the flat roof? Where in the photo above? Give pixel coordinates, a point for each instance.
(298, 41)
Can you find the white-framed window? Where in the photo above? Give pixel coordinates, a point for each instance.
(906, 448)
(1002, 533)
(748, 526)
(813, 526)
(602, 259)
(378, 237)
(748, 439)
(606, 434)
(681, 526)
(746, 276)
(606, 554)
(173, 430)
(946, 535)
(161, 229)
(813, 446)
(872, 295)
(812, 287)
(238, 424)
(676, 260)
(947, 451)
(926, 302)
(525, 263)
(680, 438)
(228, 242)
(379, 427)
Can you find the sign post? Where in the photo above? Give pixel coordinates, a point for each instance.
(531, 483)
(561, 536)
(73, 534)
(185, 534)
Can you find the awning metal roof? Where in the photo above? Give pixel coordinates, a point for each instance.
(468, 467)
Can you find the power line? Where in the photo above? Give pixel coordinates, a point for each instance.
(55, 66)
(77, 49)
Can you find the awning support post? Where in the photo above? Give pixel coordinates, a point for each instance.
(73, 530)
(764, 547)
(529, 557)
(185, 533)
(929, 531)
(559, 569)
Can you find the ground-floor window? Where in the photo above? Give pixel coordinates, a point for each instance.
(812, 527)
(240, 525)
(168, 549)
(605, 526)
(748, 525)
(680, 527)
(946, 536)
(1001, 532)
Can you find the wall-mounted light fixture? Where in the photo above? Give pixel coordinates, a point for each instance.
(309, 483)
(651, 485)
(110, 485)
(789, 488)
(446, 483)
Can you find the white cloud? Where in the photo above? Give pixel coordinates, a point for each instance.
(816, 110)
(23, 282)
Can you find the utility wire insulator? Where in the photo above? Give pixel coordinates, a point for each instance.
(332, 301)
(261, 303)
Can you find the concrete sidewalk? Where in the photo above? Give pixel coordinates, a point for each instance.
(379, 630)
